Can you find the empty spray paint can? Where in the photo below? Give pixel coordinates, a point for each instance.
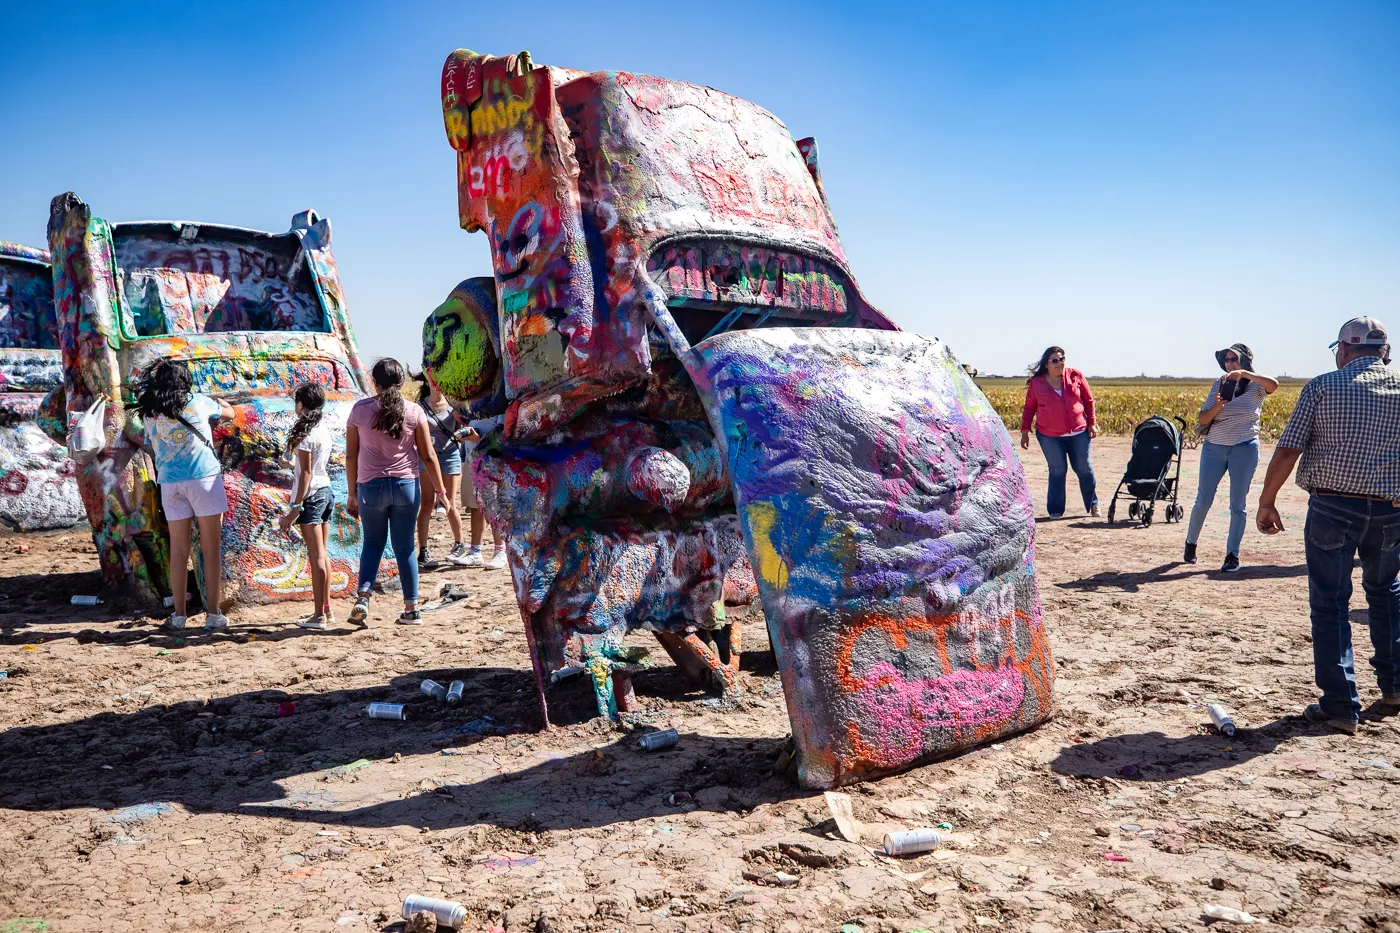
(655, 741)
(912, 842)
(86, 601)
(448, 913)
(385, 711)
(1221, 718)
(434, 689)
(454, 693)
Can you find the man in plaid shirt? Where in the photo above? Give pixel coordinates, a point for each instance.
(1344, 436)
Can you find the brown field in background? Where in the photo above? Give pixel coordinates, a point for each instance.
(1123, 404)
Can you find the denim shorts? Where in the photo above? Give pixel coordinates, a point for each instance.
(317, 507)
(449, 461)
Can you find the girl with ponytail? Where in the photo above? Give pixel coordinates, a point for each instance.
(384, 442)
(309, 451)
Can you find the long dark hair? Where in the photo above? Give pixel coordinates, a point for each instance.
(388, 379)
(1042, 366)
(163, 387)
(425, 387)
(312, 399)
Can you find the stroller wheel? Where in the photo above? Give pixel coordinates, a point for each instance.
(1133, 510)
(1146, 516)
(1112, 510)
(1177, 509)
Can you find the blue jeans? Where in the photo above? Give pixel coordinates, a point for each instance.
(1240, 461)
(1076, 449)
(389, 510)
(1337, 529)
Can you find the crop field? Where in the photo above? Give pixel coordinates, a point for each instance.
(1122, 404)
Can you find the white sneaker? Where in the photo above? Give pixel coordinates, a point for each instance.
(214, 620)
(458, 555)
(473, 558)
(497, 561)
(175, 623)
(316, 623)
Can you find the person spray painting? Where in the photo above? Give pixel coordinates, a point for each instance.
(180, 438)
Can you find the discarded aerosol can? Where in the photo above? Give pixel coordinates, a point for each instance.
(434, 689)
(448, 913)
(86, 601)
(385, 711)
(655, 741)
(912, 842)
(454, 693)
(1221, 718)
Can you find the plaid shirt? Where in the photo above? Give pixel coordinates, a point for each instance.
(1347, 424)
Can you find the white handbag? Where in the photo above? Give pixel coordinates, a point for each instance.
(88, 436)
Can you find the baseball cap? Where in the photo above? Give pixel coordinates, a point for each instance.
(1362, 332)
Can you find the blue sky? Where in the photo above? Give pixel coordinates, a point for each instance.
(1139, 182)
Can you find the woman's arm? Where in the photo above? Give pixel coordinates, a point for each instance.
(225, 410)
(1214, 402)
(1089, 412)
(1268, 383)
(352, 468)
(424, 441)
(1027, 413)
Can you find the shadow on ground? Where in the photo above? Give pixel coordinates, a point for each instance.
(1176, 570)
(1154, 756)
(227, 755)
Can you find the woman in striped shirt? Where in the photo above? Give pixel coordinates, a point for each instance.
(1230, 421)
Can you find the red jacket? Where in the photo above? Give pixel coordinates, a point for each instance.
(1058, 415)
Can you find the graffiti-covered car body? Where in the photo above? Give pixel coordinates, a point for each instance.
(37, 489)
(254, 315)
(699, 404)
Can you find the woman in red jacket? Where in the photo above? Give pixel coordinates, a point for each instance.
(1059, 400)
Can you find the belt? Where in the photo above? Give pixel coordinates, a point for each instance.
(1355, 495)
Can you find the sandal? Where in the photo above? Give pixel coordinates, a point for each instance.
(361, 610)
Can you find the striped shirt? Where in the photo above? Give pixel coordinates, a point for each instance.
(1347, 425)
(1238, 421)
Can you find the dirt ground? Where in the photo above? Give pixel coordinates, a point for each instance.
(147, 781)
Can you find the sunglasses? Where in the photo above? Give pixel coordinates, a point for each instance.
(1231, 358)
(1057, 359)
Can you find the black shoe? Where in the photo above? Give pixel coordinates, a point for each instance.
(1231, 565)
(425, 559)
(1190, 556)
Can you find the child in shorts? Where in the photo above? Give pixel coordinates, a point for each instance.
(181, 441)
(312, 503)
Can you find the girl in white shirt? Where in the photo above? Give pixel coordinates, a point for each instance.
(309, 450)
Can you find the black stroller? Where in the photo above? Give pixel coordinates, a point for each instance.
(1156, 452)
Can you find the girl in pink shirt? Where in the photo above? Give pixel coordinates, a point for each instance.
(384, 440)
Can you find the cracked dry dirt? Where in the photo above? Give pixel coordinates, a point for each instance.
(146, 782)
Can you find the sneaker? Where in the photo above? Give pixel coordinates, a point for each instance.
(474, 558)
(1314, 714)
(1190, 556)
(425, 557)
(410, 617)
(1231, 565)
(497, 561)
(328, 616)
(175, 623)
(316, 623)
(215, 620)
(458, 555)
(1094, 512)
(360, 613)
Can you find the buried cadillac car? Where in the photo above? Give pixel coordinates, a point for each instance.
(701, 409)
(254, 315)
(37, 489)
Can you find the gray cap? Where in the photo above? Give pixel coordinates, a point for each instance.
(1362, 332)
